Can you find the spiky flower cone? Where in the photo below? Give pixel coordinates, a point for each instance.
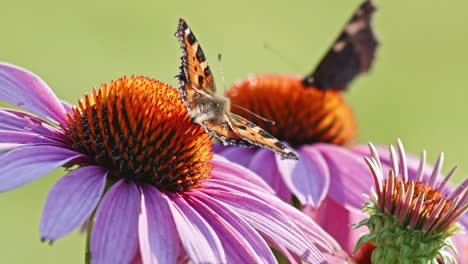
(411, 220)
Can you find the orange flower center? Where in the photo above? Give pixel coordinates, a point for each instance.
(139, 129)
(301, 116)
(432, 198)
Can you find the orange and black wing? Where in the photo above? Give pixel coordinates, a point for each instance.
(351, 54)
(225, 134)
(255, 135)
(195, 75)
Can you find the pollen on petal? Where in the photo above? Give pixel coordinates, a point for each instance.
(139, 129)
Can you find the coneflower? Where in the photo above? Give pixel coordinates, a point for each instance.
(144, 177)
(311, 115)
(411, 219)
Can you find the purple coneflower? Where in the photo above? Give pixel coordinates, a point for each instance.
(145, 178)
(312, 117)
(414, 167)
(411, 219)
(319, 126)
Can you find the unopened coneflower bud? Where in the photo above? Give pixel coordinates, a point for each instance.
(411, 220)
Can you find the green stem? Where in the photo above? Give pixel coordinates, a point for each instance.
(88, 238)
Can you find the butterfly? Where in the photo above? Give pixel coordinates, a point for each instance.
(212, 111)
(352, 53)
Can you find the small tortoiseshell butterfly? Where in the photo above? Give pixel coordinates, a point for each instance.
(211, 111)
(352, 53)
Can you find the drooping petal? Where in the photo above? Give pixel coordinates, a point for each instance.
(271, 223)
(232, 172)
(13, 120)
(291, 257)
(158, 236)
(71, 201)
(263, 163)
(220, 180)
(312, 230)
(308, 178)
(349, 176)
(238, 155)
(200, 241)
(247, 242)
(24, 89)
(114, 237)
(8, 138)
(25, 164)
(337, 220)
(236, 249)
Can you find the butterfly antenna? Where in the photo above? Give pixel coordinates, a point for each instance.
(254, 114)
(281, 55)
(222, 72)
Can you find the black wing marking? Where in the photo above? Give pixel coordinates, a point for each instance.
(225, 134)
(255, 135)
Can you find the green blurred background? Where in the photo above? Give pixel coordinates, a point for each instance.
(417, 89)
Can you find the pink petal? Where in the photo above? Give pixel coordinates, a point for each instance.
(12, 120)
(263, 163)
(239, 186)
(350, 178)
(271, 223)
(384, 154)
(114, 237)
(22, 138)
(25, 164)
(68, 107)
(238, 155)
(341, 227)
(241, 242)
(464, 221)
(308, 178)
(461, 244)
(237, 250)
(137, 259)
(24, 89)
(314, 232)
(158, 236)
(291, 257)
(232, 172)
(10, 146)
(200, 241)
(71, 201)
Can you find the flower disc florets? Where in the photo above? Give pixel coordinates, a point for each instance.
(139, 129)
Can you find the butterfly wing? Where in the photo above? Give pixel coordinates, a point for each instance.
(197, 84)
(352, 53)
(255, 135)
(195, 75)
(224, 133)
